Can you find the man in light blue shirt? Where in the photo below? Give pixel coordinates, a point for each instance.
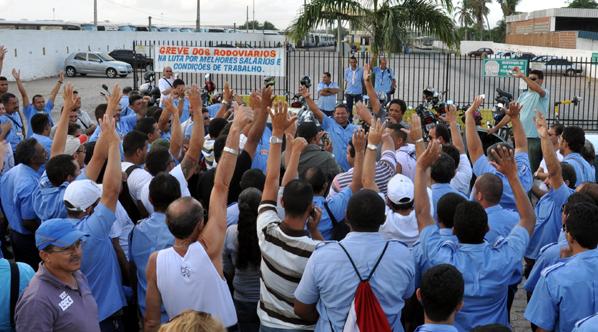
(571, 144)
(152, 234)
(41, 126)
(25, 275)
(486, 268)
(123, 124)
(17, 186)
(441, 303)
(179, 96)
(124, 100)
(566, 291)
(48, 196)
(328, 284)
(385, 82)
(327, 91)
(587, 324)
(442, 172)
(260, 158)
(16, 134)
(353, 84)
(135, 106)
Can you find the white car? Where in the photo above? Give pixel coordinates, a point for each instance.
(95, 63)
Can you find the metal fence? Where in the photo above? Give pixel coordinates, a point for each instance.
(459, 78)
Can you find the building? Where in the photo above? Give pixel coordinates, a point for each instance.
(557, 27)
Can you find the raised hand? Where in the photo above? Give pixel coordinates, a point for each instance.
(541, 125)
(255, 101)
(451, 114)
(195, 99)
(227, 93)
(114, 98)
(61, 76)
(267, 98)
(514, 109)
(361, 109)
(2, 52)
(304, 92)
(477, 102)
(16, 74)
(517, 73)
(367, 72)
(504, 161)
(430, 155)
(243, 116)
(376, 131)
(280, 119)
(69, 97)
(108, 127)
(359, 140)
(415, 132)
(299, 144)
(168, 106)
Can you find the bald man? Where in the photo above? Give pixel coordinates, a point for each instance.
(165, 83)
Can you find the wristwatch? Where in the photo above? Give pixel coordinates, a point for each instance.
(275, 140)
(372, 147)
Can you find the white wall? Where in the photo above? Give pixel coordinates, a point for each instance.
(41, 54)
(471, 45)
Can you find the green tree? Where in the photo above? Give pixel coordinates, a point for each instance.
(508, 7)
(464, 17)
(257, 26)
(591, 4)
(480, 11)
(390, 23)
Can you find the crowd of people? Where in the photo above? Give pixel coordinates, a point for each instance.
(238, 217)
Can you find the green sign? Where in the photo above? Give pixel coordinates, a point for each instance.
(503, 67)
(595, 58)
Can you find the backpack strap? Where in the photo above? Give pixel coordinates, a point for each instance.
(130, 169)
(353, 263)
(14, 290)
(378, 261)
(375, 265)
(331, 215)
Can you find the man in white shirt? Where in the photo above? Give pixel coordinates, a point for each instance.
(165, 84)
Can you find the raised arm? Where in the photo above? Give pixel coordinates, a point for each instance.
(451, 118)
(261, 115)
(304, 92)
(369, 87)
(474, 143)
(212, 236)
(56, 87)
(422, 173)
(290, 173)
(113, 175)
(153, 299)
(2, 55)
(505, 163)
(280, 122)
(369, 162)
(532, 85)
(416, 135)
(176, 132)
(165, 115)
(227, 98)
(552, 162)
(100, 152)
(24, 97)
(62, 127)
(363, 113)
(359, 144)
(518, 131)
(191, 158)
(3, 148)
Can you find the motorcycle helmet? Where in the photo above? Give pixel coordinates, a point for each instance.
(149, 76)
(305, 81)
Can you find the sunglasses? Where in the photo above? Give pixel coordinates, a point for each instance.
(68, 250)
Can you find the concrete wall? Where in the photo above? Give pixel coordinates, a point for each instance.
(560, 39)
(41, 54)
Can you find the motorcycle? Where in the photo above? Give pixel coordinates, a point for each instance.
(149, 88)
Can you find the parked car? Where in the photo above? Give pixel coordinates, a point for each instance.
(480, 51)
(95, 63)
(504, 55)
(136, 60)
(551, 65)
(525, 56)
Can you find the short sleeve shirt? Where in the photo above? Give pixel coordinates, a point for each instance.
(532, 102)
(16, 196)
(354, 79)
(327, 103)
(337, 205)
(30, 111)
(383, 81)
(340, 138)
(25, 275)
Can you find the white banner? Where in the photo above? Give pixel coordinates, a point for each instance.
(214, 60)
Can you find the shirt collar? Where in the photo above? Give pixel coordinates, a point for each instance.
(587, 253)
(441, 185)
(436, 328)
(493, 208)
(47, 276)
(445, 231)
(364, 235)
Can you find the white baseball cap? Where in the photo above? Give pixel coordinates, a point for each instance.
(81, 194)
(400, 189)
(72, 145)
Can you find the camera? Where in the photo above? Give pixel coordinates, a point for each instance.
(305, 81)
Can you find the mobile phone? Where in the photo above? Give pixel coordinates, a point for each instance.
(483, 96)
(270, 81)
(449, 102)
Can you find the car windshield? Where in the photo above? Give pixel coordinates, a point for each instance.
(105, 57)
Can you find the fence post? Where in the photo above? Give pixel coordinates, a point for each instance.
(135, 76)
(446, 74)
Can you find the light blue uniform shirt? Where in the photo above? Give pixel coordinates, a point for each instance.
(150, 234)
(185, 114)
(16, 134)
(439, 190)
(583, 169)
(531, 103)
(45, 141)
(422, 264)
(330, 280)
(30, 111)
(550, 254)
(126, 111)
(16, 193)
(436, 328)
(260, 158)
(99, 263)
(565, 293)
(507, 201)
(124, 102)
(25, 275)
(588, 324)
(123, 126)
(354, 79)
(487, 270)
(213, 109)
(383, 81)
(337, 205)
(500, 223)
(548, 219)
(327, 103)
(340, 138)
(232, 214)
(48, 200)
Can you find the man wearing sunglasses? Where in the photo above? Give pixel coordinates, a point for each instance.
(58, 297)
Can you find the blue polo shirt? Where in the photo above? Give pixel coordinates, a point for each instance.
(548, 219)
(150, 234)
(30, 111)
(436, 328)
(487, 270)
(25, 275)
(48, 200)
(500, 222)
(330, 280)
(383, 81)
(340, 138)
(213, 109)
(354, 79)
(124, 102)
(583, 170)
(531, 103)
(185, 114)
(550, 254)
(16, 196)
(16, 134)
(565, 293)
(587, 324)
(99, 263)
(507, 201)
(126, 111)
(337, 205)
(45, 141)
(123, 126)
(439, 190)
(327, 103)
(260, 158)
(420, 254)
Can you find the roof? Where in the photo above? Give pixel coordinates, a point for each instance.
(554, 12)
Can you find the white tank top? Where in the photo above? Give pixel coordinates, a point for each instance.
(192, 282)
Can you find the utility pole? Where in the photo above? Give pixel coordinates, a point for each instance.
(197, 26)
(253, 24)
(95, 12)
(149, 23)
(247, 20)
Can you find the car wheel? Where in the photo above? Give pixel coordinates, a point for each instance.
(123, 75)
(570, 72)
(70, 71)
(111, 72)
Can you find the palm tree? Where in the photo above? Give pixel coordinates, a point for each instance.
(464, 16)
(508, 7)
(480, 11)
(388, 22)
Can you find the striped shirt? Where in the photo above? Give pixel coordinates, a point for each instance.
(284, 255)
(386, 168)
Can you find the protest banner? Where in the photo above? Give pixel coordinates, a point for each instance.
(215, 60)
(502, 67)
